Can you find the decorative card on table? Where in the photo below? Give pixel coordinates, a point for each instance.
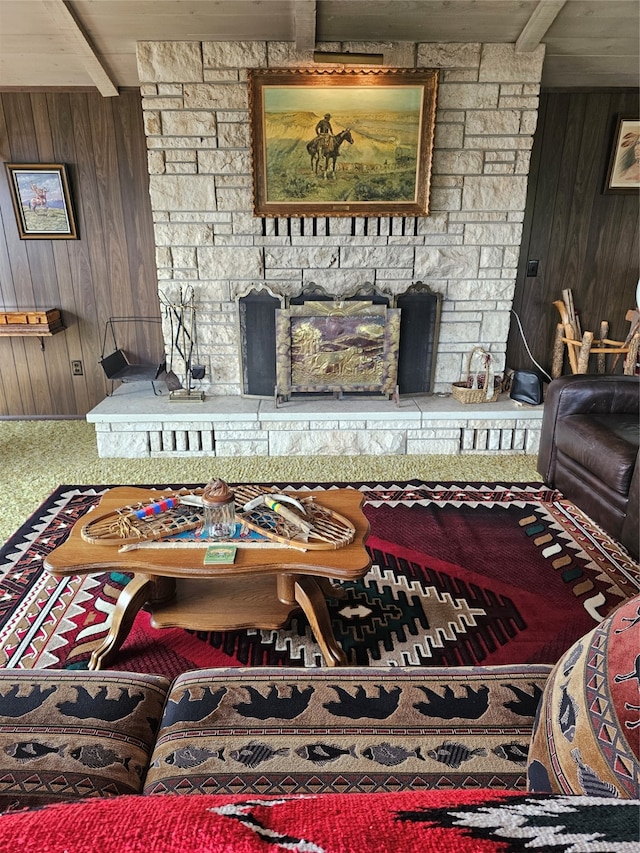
(219, 554)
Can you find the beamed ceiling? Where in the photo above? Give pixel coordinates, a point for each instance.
(43, 43)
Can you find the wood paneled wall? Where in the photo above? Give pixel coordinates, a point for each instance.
(583, 238)
(109, 271)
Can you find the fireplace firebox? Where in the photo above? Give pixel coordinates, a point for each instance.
(408, 357)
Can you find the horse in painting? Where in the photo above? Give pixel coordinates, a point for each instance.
(39, 200)
(327, 148)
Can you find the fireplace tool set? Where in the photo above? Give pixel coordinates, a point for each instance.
(184, 342)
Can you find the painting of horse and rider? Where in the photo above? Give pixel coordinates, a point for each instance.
(41, 200)
(342, 143)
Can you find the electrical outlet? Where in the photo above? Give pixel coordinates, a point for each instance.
(532, 268)
(76, 368)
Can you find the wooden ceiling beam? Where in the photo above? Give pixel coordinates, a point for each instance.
(305, 24)
(62, 15)
(543, 16)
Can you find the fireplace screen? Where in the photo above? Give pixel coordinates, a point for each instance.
(337, 347)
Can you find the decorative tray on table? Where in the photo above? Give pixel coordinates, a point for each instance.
(263, 516)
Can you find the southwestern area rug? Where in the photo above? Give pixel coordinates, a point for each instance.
(410, 821)
(462, 574)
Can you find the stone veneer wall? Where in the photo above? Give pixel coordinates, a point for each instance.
(195, 103)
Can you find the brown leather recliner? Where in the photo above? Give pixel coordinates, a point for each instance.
(589, 449)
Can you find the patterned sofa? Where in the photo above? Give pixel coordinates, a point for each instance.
(270, 753)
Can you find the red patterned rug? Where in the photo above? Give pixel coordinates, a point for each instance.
(462, 574)
(408, 821)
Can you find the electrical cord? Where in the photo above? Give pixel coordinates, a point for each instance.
(524, 341)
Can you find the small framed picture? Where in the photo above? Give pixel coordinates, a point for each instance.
(623, 174)
(41, 200)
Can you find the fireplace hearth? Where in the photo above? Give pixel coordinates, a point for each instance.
(135, 423)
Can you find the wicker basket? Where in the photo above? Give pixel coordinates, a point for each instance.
(472, 390)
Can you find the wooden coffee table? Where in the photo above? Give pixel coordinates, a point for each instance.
(261, 589)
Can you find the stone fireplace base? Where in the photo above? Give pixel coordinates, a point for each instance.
(134, 423)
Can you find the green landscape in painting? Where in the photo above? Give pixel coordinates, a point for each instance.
(379, 165)
(51, 220)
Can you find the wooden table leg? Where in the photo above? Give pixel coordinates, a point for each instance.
(286, 588)
(130, 600)
(311, 599)
(330, 589)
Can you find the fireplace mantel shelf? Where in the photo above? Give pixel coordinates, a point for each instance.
(134, 423)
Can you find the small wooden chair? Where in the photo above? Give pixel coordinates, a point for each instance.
(581, 345)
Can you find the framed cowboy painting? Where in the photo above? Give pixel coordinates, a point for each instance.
(342, 143)
(41, 201)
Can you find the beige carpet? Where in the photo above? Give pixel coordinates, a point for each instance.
(38, 456)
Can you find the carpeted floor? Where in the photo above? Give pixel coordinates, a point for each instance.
(462, 574)
(36, 456)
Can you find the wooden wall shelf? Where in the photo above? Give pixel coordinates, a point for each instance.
(24, 323)
(38, 324)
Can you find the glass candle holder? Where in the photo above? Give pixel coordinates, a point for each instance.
(219, 508)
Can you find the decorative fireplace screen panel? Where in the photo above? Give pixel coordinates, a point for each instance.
(337, 347)
(419, 335)
(256, 313)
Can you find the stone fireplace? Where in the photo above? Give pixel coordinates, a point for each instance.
(196, 117)
(197, 126)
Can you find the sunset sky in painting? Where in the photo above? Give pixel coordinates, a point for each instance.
(326, 99)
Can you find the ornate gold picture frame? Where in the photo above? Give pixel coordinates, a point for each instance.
(342, 143)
